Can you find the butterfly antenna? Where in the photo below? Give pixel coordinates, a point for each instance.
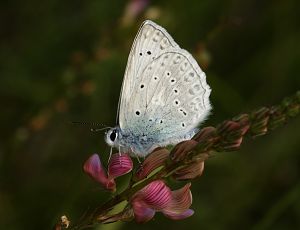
(88, 123)
(91, 124)
(97, 130)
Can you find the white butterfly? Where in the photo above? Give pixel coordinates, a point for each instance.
(164, 94)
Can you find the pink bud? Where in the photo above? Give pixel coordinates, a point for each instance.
(95, 170)
(153, 161)
(190, 172)
(180, 151)
(228, 126)
(244, 129)
(232, 146)
(119, 164)
(205, 133)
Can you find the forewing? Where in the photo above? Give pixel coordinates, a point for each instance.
(150, 42)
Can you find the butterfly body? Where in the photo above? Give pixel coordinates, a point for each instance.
(140, 144)
(164, 94)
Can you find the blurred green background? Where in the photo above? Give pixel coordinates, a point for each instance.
(64, 61)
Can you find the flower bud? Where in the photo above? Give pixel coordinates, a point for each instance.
(153, 161)
(181, 150)
(95, 170)
(190, 172)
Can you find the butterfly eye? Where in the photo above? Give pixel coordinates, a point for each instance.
(113, 136)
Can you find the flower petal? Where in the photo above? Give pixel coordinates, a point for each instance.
(153, 161)
(181, 150)
(141, 212)
(95, 170)
(119, 164)
(205, 133)
(155, 195)
(190, 172)
(176, 216)
(181, 200)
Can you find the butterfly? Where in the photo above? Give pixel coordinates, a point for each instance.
(164, 95)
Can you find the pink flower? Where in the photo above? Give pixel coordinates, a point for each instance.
(119, 165)
(178, 208)
(157, 196)
(95, 170)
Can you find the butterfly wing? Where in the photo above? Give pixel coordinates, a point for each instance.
(164, 93)
(150, 42)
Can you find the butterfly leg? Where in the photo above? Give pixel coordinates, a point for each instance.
(120, 159)
(137, 157)
(110, 154)
(140, 168)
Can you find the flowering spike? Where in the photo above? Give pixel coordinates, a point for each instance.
(153, 161)
(190, 172)
(148, 196)
(95, 170)
(119, 164)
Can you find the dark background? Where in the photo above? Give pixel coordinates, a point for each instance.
(62, 61)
